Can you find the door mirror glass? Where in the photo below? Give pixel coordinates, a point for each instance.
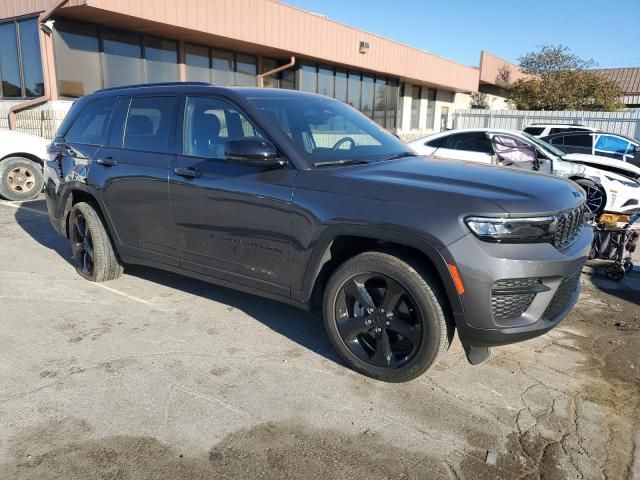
(513, 152)
(253, 151)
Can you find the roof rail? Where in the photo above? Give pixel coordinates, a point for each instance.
(159, 84)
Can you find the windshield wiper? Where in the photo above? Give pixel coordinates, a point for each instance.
(346, 161)
(401, 155)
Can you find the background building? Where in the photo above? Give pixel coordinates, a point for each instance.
(56, 50)
(629, 81)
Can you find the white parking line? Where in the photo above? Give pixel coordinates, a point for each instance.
(131, 297)
(22, 207)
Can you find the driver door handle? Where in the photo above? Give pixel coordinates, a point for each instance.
(188, 172)
(107, 161)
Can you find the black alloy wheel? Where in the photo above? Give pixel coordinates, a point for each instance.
(596, 197)
(82, 244)
(378, 320)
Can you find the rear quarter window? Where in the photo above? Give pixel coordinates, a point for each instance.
(92, 123)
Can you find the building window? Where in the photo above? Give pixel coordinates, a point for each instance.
(392, 94)
(246, 70)
(325, 82)
(77, 49)
(341, 86)
(198, 68)
(380, 104)
(20, 60)
(272, 81)
(221, 68)
(431, 107)
(161, 60)
(31, 59)
(355, 86)
(366, 105)
(122, 59)
(415, 107)
(308, 78)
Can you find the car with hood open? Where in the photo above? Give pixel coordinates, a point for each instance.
(303, 199)
(610, 185)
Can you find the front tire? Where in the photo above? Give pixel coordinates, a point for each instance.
(596, 196)
(20, 179)
(93, 252)
(385, 318)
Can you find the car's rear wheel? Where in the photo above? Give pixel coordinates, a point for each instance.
(385, 318)
(596, 196)
(20, 179)
(93, 252)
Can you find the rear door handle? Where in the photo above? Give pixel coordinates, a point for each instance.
(188, 172)
(107, 161)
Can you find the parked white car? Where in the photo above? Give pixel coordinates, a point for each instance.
(610, 185)
(21, 159)
(543, 129)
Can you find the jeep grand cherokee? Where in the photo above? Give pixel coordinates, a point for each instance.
(301, 198)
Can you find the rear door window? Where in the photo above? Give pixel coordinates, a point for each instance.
(610, 143)
(92, 124)
(149, 124)
(585, 140)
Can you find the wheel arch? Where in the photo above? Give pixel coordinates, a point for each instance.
(341, 243)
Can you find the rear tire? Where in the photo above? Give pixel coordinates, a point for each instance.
(378, 302)
(93, 252)
(596, 196)
(20, 179)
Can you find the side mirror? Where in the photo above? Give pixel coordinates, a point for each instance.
(253, 151)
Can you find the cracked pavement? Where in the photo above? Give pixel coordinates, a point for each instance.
(158, 376)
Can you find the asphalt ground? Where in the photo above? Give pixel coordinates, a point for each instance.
(157, 376)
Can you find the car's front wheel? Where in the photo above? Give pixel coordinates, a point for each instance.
(20, 179)
(93, 252)
(385, 318)
(596, 196)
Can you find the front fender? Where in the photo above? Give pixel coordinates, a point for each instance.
(437, 257)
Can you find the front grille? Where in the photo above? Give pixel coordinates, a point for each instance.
(568, 226)
(561, 299)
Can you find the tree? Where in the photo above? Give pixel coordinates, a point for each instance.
(560, 80)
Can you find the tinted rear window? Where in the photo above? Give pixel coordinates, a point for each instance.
(91, 125)
(585, 140)
(534, 130)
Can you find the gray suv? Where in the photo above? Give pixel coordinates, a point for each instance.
(302, 199)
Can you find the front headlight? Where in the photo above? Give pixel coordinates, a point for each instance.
(513, 230)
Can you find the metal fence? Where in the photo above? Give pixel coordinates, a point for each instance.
(624, 123)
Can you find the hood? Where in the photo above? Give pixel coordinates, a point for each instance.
(18, 142)
(595, 160)
(474, 185)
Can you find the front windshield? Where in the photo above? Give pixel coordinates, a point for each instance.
(548, 149)
(327, 130)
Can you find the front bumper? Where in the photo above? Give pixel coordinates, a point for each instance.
(556, 274)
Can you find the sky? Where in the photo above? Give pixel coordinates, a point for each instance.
(607, 31)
